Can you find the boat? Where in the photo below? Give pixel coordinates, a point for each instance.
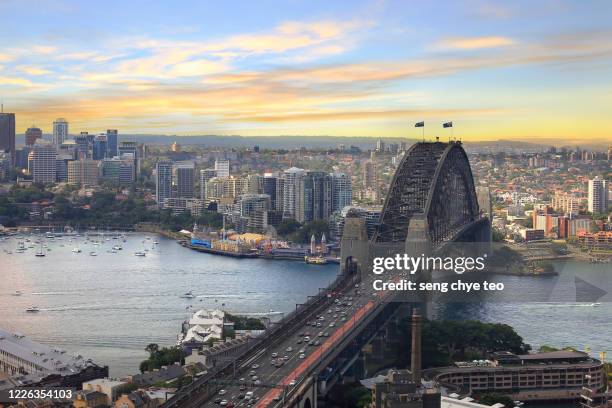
(40, 252)
(33, 309)
(76, 250)
(187, 295)
(156, 242)
(93, 253)
(117, 247)
(17, 293)
(315, 260)
(140, 253)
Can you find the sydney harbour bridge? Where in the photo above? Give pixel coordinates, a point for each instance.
(431, 202)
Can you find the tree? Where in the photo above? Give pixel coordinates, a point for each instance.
(494, 398)
(287, 227)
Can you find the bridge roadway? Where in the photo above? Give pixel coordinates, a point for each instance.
(334, 319)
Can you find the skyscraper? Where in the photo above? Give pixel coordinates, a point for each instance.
(163, 182)
(112, 143)
(44, 168)
(342, 191)
(60, 131)
(205, 175)
(610, 153)
(598, 195)
(185, 179)
(370, 177)
(7, 134)
(31, 135)
(100, 147)
(222, 167)
(291, 180)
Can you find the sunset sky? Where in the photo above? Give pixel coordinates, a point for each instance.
(521, 69)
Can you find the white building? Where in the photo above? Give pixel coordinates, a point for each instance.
(222, 167)
(44, 167)
(205, 325)
(598, 195)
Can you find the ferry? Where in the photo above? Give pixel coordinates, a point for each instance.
(33, 309)
(315, 260)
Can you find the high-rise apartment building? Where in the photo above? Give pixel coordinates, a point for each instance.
(370, 176)
(163, 181)
(60, 131)
(32, 135)
(222, 167)
(269, 187)
(598, 195)
(314, 197)
(185, 179)
(565, 203)
(342, 191)
(205, 175)
(291, 182)
(112, 143)
(7, 134)
(43, 164)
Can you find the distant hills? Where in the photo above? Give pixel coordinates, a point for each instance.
(295, 142)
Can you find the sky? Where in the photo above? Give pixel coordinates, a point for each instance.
(499, 70)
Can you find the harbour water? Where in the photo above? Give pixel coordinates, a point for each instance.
(110, 306)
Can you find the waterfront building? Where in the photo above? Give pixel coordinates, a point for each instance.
(558, 375)
(598, 195)
(32, 134)
(598, 241)
(205, 175)
(570, 226)
(185, 179)
(43, 165)
(178, 205)
(85, 172)
(254, 210)
(112, 143)
(222, 167)
(60, 131)
(7, 134)
(163, 182)
(531, 234)
(31, 363)
(203, 326)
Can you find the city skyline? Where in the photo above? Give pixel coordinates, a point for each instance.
(369, 68)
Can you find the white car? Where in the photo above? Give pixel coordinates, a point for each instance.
(289, 349)
(302, 356)
(292, 383)
(222, 392)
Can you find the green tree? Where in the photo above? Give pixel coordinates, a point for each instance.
(495, 398)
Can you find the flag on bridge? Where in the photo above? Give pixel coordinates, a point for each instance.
(419, 124)
(448, 124)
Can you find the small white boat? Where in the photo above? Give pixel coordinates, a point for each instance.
(187, 295)
(17, 293)
(140, 253)
(76, 250)
(33, 309)
(92, 253)
(117, 247)
(156, 242)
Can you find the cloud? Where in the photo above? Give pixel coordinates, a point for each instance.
(30, 70)
(475, 43)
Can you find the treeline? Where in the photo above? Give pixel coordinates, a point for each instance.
(301, 233)
(245, 322)
(447, 341)
(159, 357)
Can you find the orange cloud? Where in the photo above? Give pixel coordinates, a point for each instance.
(474, 43)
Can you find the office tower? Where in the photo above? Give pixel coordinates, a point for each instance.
(222, 167)
(61, 167)
(85, 172)
(131, 148)
(269, 187)
(598, 195)
(380, 145)
(5, 165)
(205, 175)
(82, 145)
(342, 191)
(291, 180)
(60, 131)
(370, 177)
(610, 153)
(112, 143)
(43, 168)
(32, 135)
(185, 179)
(7, 134)
(100, 147)
(163, 182)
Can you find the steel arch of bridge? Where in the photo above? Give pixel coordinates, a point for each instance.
(433, 180)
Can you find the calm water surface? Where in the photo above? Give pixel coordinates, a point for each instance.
(109, 307)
